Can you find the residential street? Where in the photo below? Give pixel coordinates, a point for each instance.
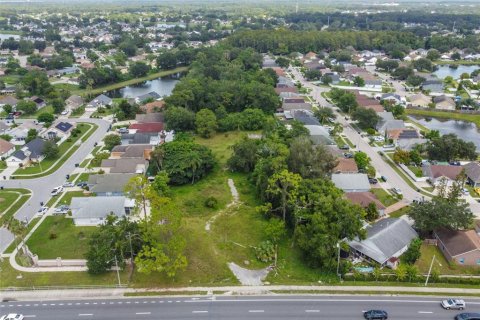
(253, 307)
(41, 187)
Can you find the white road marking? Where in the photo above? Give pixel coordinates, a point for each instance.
(85, 314)
(255, 311)
(30, 316)
(144, 313)
(425, 312)
(200, 311)
(312, 311)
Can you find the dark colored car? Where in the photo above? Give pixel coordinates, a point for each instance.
(82, 184)
(373, 181)
(384, 178)
(375, 314)
(344, 147)
(468, 316)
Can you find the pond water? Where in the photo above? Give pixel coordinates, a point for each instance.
(444, 71)
(162, 86)
(4, 36)
(465, 130)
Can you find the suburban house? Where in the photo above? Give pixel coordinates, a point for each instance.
(152, 138)
(153, 106)
(419, 100)
(32, 151)
(319, 135)
(295, 103)
(392, 98)
(404, 137)
(149, 117)
(20, 133)
(146, 127)
(433, 86)
(351, 182)
(10, 100)
(444, 103)
(368, 103)
(363, 199)
(461, 247)
(437, 173)
(6, 148)
(60, 130)
(386, 241)
(38, 101)
(124, 165)
(345, 165)
(409, 144)
(108, 185)
(73, 102)
(472, 170)
(151, 95)
(100, 101)
(388, 122)
(304, 116)
(92, 211)
(132, 151)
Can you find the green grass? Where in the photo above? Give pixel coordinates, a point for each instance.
(459, 62)
(13, 209)
(57, 236)
(66, 86)
(48, 165)
(417, 171)
(475, 118)
(66, 198)
(441, 264)
(122, 84)
(77, 112)
(6, 199)
(399, 212)
(384, 197)
(46, 109)
(349, 142)
(83, 177)
(10, 79)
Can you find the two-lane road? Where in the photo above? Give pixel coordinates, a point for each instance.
(261, 307)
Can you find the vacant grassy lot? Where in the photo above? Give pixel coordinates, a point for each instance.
(385, 198)
(64, 153)
(441, 264)
(57, 236)
(447, 115)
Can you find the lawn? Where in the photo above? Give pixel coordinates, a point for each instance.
(399, 212)
(385, 198)
(66, 198)
(6, 199)
(441, 264)
(78, 112)
(13, 209)
(417, 171)
(46, 109)
(47, 165)
(57, 236)
(475, 118)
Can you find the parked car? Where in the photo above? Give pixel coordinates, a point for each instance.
(61, 210)
(82, 184)
(122, 130)
(458, 304)
(454, 163)
(468, 316)
(68, 184)
(383, 178)
(42, 211)
(64, 112)
(397, 191)
(372, 180)
(56, 191)
(379, 138)
(12, 316)
(345, 147)
(375, 314)
(348, 155)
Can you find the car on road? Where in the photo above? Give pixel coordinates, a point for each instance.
(397, 191)
(68, 184)
(383, 178)
(375, 314)
(12, 316)
(61, 210)
(56, 191)
(42, 211)
(448, 304)
(468, 316)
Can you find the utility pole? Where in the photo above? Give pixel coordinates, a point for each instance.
(338, 261)
(429, 271)
(118, 272)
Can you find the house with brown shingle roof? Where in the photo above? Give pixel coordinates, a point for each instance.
(437, 173)
(363, 199)
(6, 148)
(461, 247)
(345, 165)
(153, 106)
(368, 103)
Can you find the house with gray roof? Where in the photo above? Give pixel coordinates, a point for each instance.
(100, 101)
(388, 122)
(351, 182)
(433, 86)
(472, 170)
(319, 135)
(74, 102)
(152, 138)
(149, 117)
(125, 165)
(108, 185)
(93, 211)
(151, 95)
(32, 151)
(385, 242)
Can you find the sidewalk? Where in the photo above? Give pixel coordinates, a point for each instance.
(89, 293)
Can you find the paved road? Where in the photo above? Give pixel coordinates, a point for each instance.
(42, 187)
(393, 179)
(261, 307)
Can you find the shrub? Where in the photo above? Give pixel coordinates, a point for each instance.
(52, 236)
(211, 202)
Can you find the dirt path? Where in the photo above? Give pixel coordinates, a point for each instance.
(235, 201)
(249, 277)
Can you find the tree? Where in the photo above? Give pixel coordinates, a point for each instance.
(167, 60)
(27, 107)
(46, 118)
(139, 190)
(402, 73)
(415, 157)
(402, 156)
(129, 48)
(8, 109)
(58, 105)
(387, 65)
(283, 62)
(444, 210)
(309, 160)
(371, 212)
(160, 184)
(244, 156)
(361, 159)
(324, 114)
(179, 119)
(412, 272)
(326, 80)
(111, 141)
(401, 272)
(413, 252)
(423, 64)
(358, 81)
(31, 134)
(346, 101)
(313, 74)
(275, 231)
(449, 147)
(415, 81)
(165, 243)
(366, 118)
(206, 123)
(433, 54)
(456, 56)
(138, 69)
(50, 150)
(282, 189)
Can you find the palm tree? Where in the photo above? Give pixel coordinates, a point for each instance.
(194, 163)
